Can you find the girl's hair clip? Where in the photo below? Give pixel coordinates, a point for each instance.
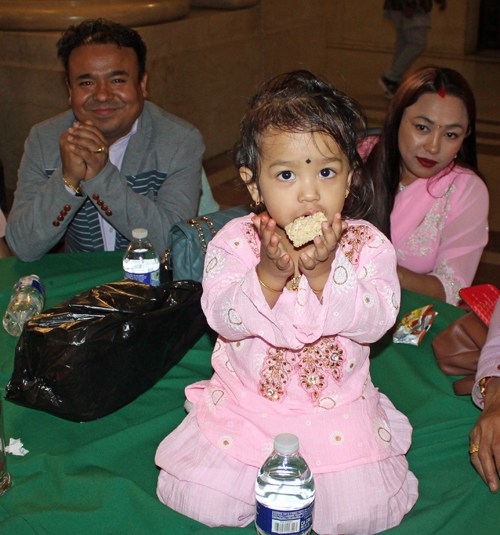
(442, 92)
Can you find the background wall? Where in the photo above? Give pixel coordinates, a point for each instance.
(207, 65)
(203, 68)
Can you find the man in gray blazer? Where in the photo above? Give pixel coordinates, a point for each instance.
(112, 163)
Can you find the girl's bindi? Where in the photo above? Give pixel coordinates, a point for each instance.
(308, 160)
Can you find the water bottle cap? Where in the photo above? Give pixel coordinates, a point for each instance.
(140, 233)
(286, 443)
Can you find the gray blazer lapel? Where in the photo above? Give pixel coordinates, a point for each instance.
(137, 149)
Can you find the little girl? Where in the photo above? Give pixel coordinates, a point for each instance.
(294, 326)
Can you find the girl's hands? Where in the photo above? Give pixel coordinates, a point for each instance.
(316, 260)
(276, 265)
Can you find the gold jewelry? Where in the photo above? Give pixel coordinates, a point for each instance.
(474, 448)
(99, 150)
(317, 292)
(78, 190)
(267, 287)
(347, 192)
(483, 383)
(295, 283)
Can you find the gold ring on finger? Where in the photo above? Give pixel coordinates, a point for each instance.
(99, 150)
(474, 448)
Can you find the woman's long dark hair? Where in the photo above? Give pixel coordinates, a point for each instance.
(383, 166)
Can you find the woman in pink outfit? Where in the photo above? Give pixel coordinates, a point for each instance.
(430, 199)
(294, 328)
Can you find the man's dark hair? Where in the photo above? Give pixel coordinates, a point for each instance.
(101, 32)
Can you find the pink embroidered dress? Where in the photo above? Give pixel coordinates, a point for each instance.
(301, 367)
(441, 228)
(439, 225)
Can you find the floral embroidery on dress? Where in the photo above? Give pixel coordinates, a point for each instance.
(312, 363)
(214, 263)
(350, 365)
(225, 442)
(340, 275)
(328, 402)
(382, 432)
(452, 285)
(251, 237)
(353, 240)
(424, 238)
(344, 277)
(232, 318)
(337, 438)
(236, 243)
(274, 375)
(368, 300)
(217, 399)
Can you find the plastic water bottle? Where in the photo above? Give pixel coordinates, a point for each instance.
(141, 262)
(284, 491)
(27, 300)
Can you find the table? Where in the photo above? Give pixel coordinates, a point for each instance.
(100, 478)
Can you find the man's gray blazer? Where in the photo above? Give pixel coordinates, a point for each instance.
(159, 184)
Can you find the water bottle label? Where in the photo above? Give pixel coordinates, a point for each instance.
(25, 281)
(281, 522)
(152, 278)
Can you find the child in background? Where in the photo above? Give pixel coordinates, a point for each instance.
(294, 326)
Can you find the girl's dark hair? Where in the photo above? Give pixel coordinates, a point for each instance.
(383, 166)
(298, 102)
(101, 32)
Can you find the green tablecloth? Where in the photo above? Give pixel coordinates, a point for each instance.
(100, 477)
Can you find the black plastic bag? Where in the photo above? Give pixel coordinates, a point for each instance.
(98, 351)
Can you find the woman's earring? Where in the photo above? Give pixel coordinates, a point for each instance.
(347, 191)
(256, 204)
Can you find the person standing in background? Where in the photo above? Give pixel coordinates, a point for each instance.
(412, 19)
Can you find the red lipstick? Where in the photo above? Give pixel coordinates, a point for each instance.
(426, 162)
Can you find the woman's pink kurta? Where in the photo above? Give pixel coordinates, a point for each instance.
(301, 367)
(441, 228)
(439, 225)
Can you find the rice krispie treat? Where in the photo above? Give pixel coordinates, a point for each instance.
(305, 229)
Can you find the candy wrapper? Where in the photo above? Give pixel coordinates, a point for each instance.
(412, 328)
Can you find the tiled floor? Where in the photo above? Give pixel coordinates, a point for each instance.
(229, 190)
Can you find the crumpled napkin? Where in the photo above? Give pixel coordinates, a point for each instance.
(15, 447)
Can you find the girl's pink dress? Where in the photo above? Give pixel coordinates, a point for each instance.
(439, 225)
(303, 368)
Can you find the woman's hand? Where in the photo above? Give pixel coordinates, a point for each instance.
(316, 260)
(486, 433)
(422, 284)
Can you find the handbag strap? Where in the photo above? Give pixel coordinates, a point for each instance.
(201, 235)
(210, 225)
